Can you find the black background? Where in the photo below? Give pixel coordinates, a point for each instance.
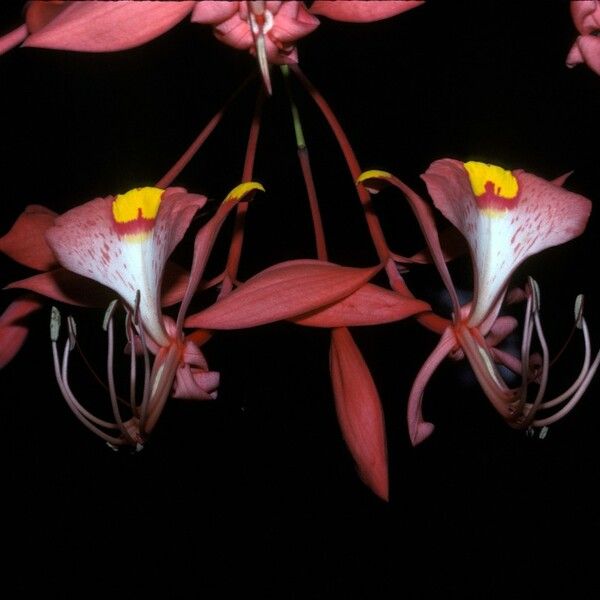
(257, 489)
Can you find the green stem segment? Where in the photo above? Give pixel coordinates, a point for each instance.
(306, 169)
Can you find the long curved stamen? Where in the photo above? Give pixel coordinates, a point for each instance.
(90, 421)
(533, 408)
(582, 373)
(108, 326)
(576, 325)
(573, 394)
(131, 338)
(574, 400)
(530, 310)
(576, 390)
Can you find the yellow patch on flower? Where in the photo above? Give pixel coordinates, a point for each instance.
(242, 190)
(136, 203)
(135, 211)
(505, 184)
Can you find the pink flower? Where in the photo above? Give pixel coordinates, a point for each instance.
(26, 243)
(123, 243)
(505, 216)
(269, 30)
(586, 49)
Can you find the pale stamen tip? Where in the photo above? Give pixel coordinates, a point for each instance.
(72, 332)
(108, 315)
(54, 324)
(535, 294)
(579, 305)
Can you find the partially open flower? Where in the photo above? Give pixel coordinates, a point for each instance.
(268, 29)
(586, 49)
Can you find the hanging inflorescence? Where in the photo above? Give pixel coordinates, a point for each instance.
(117, 249)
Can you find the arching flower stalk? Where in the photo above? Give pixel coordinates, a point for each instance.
(505, 216)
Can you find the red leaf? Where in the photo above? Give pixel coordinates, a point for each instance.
(281, 292)
(359, 411)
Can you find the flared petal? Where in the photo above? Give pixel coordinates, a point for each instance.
(26, 242)
(586, 49)
(213, 12)
(64, 286)
(586, 15)
(13, 326)
(235, 32)
(362, 11)
(174, 285)
(124, 243)
(283, 291)
(108, 26)
(270, 35)
(292, 22)
(359, 411)
(369, 305)
(505, 218)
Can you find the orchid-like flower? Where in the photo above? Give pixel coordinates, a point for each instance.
(269, 30)
(505, 216)
(123, 243)
(26, 244)
(586, 49)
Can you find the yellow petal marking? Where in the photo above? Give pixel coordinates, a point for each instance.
(504, 182)
(139, 202)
